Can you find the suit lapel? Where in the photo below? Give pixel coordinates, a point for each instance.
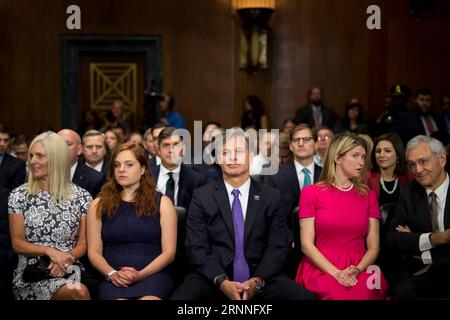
(252, 207)
(181, 191)
(317, 172)
(447, 211)
(155, 174)
(423, 209)
(79, 175)
(293, 177)
(221, 197)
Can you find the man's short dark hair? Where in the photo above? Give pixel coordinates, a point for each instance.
(4, 129)
(20, 139)
(166, 133)
(158, 125)
(423, 92)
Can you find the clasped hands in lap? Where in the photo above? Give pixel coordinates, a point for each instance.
(59, 262)
(347, 277)
(125, 277)
(239, 291)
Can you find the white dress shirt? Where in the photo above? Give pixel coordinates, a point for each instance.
(72, 170)
(301, 175)
(244, 192)
(424, 241)
(97, 167)
(164, 177)
(257, 164)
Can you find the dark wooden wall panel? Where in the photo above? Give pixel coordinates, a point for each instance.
(197, 57)
(321, 42)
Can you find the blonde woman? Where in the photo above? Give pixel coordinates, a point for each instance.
(47, 222)
(339, 222)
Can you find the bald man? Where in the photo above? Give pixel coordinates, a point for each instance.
(80, 174)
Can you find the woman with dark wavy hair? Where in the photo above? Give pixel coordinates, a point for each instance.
(388, 168)
(132, 231)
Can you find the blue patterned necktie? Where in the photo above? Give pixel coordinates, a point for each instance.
(240, 266)
(307, 180)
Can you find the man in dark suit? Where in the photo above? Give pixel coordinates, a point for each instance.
(420, 230)
(12, 170)
(174, 178)
(290, 178)
(236, 236)
(151, 147)
(293, 177)
(314, 113)
(421, 121)
(6, 253)
(94, 151)
(80, 174)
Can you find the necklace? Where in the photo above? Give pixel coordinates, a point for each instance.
(384, 187)
(343, 189)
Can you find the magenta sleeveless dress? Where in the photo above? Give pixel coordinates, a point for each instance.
(341, 227)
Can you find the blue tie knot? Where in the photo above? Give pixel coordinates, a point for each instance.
(235, 193)
(305, 171)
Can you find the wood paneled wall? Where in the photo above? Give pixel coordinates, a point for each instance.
(322, 42)
(326, 43)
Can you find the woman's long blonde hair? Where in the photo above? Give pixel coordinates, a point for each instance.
(340, 145)
(58, 167)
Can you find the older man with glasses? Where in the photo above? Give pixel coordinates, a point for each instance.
(324, 136)
(420, 229)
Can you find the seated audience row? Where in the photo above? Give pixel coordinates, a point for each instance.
(243, 252)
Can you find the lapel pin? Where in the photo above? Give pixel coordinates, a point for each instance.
(256, 197)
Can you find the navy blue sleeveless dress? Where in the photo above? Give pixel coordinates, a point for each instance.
(129, 241)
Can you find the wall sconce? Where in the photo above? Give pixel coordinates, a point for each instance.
(254, 39)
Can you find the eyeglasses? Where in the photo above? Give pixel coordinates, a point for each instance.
(167, 146)
(306, 140)
(323, 138)
(421, 162)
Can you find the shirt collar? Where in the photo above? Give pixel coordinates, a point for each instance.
(441, 191)
(164, 170)
(299, 167)
(73, 169)
(244, 189)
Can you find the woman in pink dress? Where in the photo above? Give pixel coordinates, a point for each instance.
(339, 222)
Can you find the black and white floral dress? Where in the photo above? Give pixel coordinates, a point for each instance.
(47, 224)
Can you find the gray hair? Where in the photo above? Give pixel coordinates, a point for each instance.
(220, 140)
(93, 133)
(436, 147)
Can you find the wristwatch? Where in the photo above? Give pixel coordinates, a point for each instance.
(109, 275)
(219, 279)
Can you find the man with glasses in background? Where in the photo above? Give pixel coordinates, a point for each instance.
(420, 229)
(324, 136)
